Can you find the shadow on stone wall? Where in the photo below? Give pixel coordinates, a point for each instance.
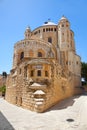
(4, 123)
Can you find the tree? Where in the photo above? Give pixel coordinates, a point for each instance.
(4, 74)
(3, 90)
(84, 71)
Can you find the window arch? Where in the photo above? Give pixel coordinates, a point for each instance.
(40, 54)
(38, 72)
(62, 25)
(46, 73)
(50, 39)
(21, 55)
(20, 71)
(32, 73)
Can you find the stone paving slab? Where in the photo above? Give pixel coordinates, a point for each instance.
(70, 114)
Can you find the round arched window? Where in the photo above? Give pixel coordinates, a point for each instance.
(40, 54)
(21, 55)
(50, 39)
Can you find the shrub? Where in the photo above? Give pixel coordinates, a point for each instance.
(3, 90)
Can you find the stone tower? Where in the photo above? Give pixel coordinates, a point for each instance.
(27, 33)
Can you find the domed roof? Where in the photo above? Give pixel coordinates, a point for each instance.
(48, 23)
(63, 17)
(28, 28)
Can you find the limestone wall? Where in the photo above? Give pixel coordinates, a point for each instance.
(21, 93)
(10, 90)
(46, 68)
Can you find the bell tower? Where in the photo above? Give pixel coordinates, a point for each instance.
(27, 33)
(65, 35)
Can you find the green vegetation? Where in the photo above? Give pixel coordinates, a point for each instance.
(84, 73)
(4, 74)
(3, 90)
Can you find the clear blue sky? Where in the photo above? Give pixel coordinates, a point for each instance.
(16, 15)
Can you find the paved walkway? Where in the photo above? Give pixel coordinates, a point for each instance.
(70, 114)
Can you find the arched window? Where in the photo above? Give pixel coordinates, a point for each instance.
(20, 71)
(39, 73)
(40, 54)
(21, 55)
(50, 39)
(46, 73)
(62, 25)
(32, 73)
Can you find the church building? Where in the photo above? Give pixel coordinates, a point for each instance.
(46, 68)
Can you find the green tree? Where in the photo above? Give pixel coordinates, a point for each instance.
(4, 74)
(3, 90)
(84, 71)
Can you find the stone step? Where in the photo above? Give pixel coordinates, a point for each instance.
(39, 99)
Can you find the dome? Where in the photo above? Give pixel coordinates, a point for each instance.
(64, 18)
(28, 29)
(48, 23)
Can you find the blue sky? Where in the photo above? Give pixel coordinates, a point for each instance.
(16, 15)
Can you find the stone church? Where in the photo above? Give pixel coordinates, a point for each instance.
(46, 68)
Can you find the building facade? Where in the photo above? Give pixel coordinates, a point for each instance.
(46, 68)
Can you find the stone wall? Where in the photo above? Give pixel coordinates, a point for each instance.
(59, 87)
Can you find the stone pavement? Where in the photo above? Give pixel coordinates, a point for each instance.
(70, 114)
